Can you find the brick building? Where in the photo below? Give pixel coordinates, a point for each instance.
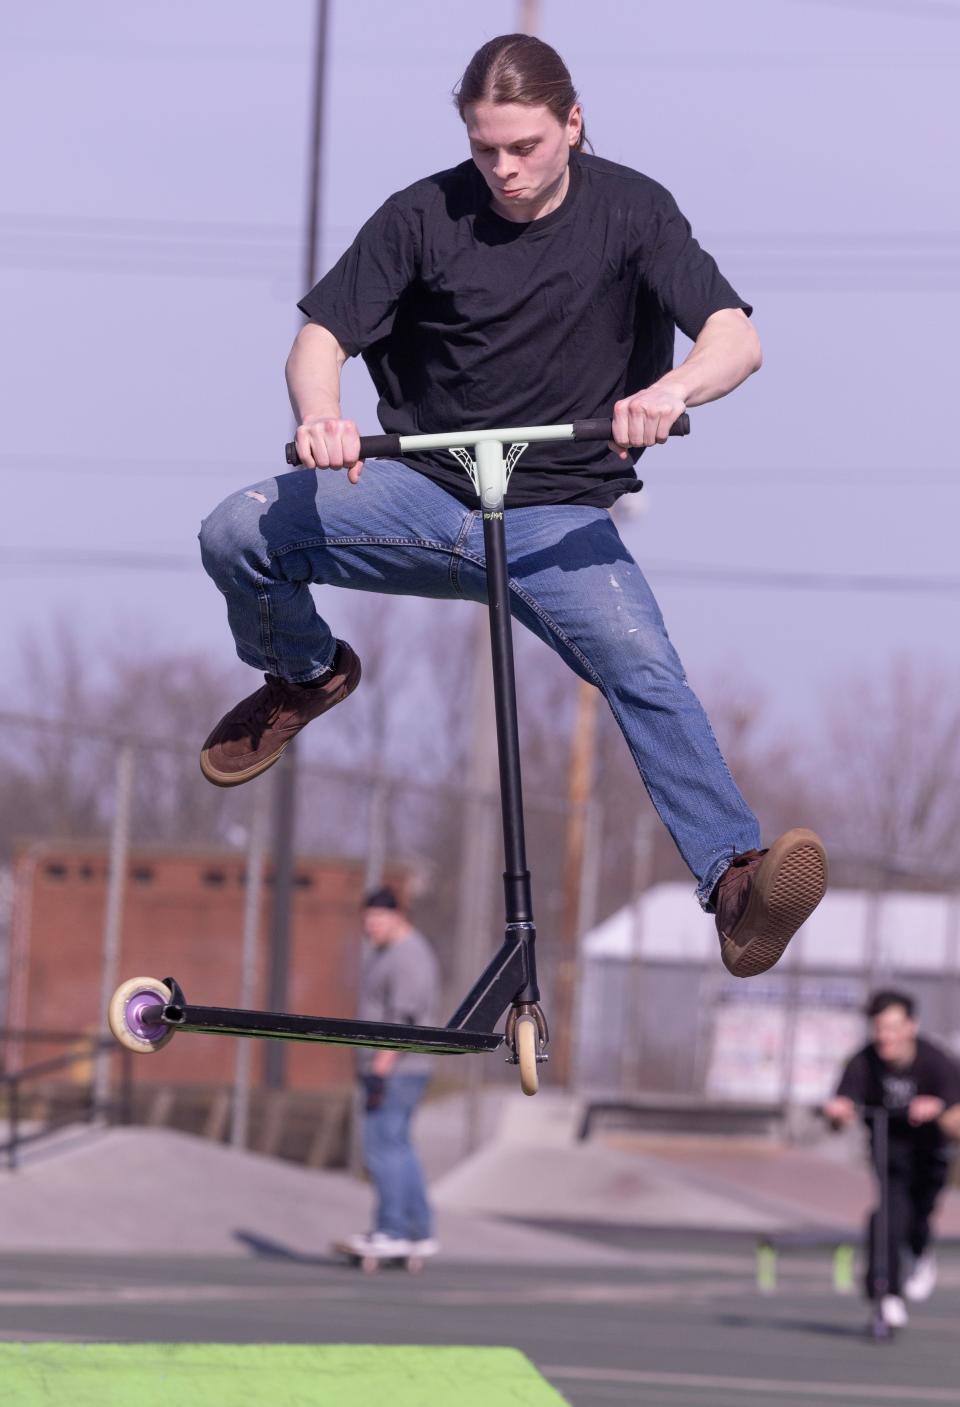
(182, 917)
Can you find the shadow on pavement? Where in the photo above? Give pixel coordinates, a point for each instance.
(827, 1327)
(265, 1249)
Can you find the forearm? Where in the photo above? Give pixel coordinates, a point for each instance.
(950, 1121)
(723, 356)
(384, 1061)
(313, 373)
(840, 1110)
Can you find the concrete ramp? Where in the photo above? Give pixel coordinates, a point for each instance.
(134, 1189)
(258, 1375)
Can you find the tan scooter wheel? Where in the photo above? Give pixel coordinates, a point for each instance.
(134, 1014)
(527, 1038)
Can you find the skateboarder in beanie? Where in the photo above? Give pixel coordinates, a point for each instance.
(918, 1085)
(533, 283)
(399, 984)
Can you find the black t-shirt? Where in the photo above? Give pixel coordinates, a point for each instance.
(468, 320)
(873, 1082)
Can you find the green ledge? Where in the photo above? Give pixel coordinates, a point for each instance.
(267, 1375)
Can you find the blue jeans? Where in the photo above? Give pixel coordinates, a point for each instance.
(392, 1162)
(573, 583)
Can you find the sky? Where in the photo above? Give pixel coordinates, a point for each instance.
(151, 256)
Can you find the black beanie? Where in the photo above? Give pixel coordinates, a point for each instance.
(382, 898)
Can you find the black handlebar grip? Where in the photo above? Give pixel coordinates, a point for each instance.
(379, 446)
(601, 429)
(371, 447)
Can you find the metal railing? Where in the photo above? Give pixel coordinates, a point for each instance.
(84, 1105)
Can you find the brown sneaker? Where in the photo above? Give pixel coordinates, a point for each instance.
(251, 737)
(764, 897)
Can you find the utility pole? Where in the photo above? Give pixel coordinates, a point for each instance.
(113, 918)
(631, 1070)
(256, 855)
(580, 779)
(478, 852)
(528, 16)
(285, 791)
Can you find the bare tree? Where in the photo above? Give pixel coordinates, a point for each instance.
(891, 768)
(60, 768)
(408, 715)
(766, 763)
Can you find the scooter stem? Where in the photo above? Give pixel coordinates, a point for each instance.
(491, 475)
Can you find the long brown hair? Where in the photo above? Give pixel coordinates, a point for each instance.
(519, 68)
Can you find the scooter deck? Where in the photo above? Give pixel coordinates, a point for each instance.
(327, 1030)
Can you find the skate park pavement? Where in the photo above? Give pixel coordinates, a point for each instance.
(621, 1268)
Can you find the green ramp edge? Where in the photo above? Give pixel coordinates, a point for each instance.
(265, 1375)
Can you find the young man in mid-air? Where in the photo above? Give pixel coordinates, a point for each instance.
(532, 284)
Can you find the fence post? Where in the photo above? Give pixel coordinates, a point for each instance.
(256, 856)
(586, 919)
(581, 779)
(475, 936)
(632, 1063)
(13, 1109)
(281, 908)
(126, 1087)
(113, 918)
(875, 960)
(951, 961)
(378, 815)
(792, 1013)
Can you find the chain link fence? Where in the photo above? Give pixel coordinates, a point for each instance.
(119, 804)
(640, 1023)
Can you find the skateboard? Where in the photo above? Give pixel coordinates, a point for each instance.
(370, 1262)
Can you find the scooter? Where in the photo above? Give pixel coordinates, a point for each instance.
(880, 1331)
(145, 1012)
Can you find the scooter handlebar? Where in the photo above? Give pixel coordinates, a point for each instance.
(602, 429)
(388, 446)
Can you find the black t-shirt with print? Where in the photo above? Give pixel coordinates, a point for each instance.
(873, 1082)
(468, 320)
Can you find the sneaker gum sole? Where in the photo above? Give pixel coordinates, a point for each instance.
(236, 779)
(789, 885)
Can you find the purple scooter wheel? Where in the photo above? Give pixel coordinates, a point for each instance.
(135, 1015)
(142, 1015)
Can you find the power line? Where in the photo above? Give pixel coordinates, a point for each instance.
(204, 233)
(805, 581)
(788, 260)
(932, 9)
(148, 227)
(900, 478)
(117, 245)
(911, 274)
(321, 769)
(41, 558)
(130, 468)
(887, 475)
